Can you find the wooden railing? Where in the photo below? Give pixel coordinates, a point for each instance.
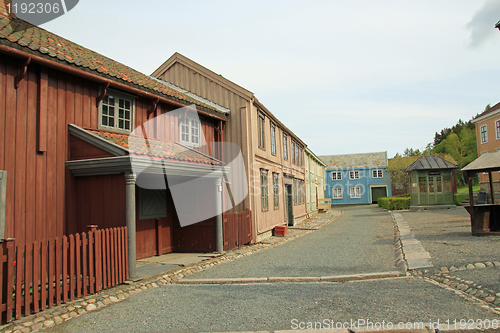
(237, 229)
(37, 276)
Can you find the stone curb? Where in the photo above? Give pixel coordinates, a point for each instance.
(409, 252)
(468, 288)
(80, 306)
(338, 278)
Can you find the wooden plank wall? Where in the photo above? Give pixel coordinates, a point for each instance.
(235, 128)
(34, 145)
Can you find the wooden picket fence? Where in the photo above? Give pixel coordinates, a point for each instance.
(37, 276)
(237, 229)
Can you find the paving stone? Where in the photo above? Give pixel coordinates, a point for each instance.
(81, 311)
(114, 299)
(453, 269)
(91, 301)
(91, 307)
(489, 264)
(489, 299)
(65, 316)
(107, 301)
(120, 296)
(73, 314)
(36, 326)
(71, 308)
(496, 263)
(48, 323)
(497, 301)
(39, 319)
(100, 304)
(445, 270)
(479, 293)
(154, 285)
(57, 320)
(479, 265)
(28, 324)
(470, 266)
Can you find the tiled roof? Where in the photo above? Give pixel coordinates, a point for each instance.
(22, 35)
(366, 160)
(485, 112)
(430, 163)
(138, 146)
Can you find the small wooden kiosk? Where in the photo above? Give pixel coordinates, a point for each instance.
(432, 183)
(485, 218)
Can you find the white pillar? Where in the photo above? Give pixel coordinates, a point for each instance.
(219, 234)
(130, 210)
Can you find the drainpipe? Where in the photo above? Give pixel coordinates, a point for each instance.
(219, 239)
(130, 220)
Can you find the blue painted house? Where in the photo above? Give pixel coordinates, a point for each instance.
(357, 178)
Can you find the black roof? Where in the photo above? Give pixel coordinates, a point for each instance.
(431, 163)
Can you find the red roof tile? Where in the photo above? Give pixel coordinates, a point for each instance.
(33, 39)
(138, 146)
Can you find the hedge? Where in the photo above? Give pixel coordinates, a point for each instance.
(394, 203)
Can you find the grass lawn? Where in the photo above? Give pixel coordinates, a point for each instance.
(465, 189)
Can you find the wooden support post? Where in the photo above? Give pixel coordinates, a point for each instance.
(491, 188)
(471, 203)
(219, 235)
(130, 220)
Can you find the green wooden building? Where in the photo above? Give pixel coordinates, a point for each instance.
(432, 183)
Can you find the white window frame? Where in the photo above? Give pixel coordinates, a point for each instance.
(338, 175)
(484, 134)
(116, 112)
(337, 192)
(377, 173)
(190, 123)
(273, 138)
(355, 192)
(354, 174)
(497, 127)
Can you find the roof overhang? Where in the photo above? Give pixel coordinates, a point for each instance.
(484, 163)
(140, 165)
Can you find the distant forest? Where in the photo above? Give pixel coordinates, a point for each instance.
(458, 141)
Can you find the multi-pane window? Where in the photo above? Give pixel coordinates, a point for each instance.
(285, 146)
(337, 192)
(261, 123)
(190, 132)
(276, 190)
(355, 191)
(497, 126)
(273, 139)
(293, 151)
(336, 175)
(116, 112)
(297, 155)
(263, 190)
(378, 173)
(484, 134)
(353, 174)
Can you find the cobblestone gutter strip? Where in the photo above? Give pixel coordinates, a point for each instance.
(409, 252)
(338, 278)
(78, 307)
(469, 290)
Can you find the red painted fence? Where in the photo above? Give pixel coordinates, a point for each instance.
(37, 276)
(237, 229)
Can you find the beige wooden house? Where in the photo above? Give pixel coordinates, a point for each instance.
(315, 181)
(273, 155)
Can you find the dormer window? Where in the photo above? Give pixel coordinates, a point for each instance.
(189, 132)
(116, 112)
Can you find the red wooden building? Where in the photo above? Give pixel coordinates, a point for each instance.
(66, 113)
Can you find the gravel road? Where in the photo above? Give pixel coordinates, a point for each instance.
(361, 240)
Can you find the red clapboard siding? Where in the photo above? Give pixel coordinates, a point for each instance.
(237, 229)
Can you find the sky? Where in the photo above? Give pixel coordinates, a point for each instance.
(345, 76)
